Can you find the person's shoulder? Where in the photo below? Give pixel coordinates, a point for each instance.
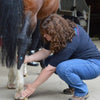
(79, 26)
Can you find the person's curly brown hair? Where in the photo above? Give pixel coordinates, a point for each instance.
(59, 29)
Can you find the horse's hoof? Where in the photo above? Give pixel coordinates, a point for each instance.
(19, 97)
(22, 99)
(25, 75)
(11, 86)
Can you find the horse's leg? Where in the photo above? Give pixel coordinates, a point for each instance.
(11, 79)
(23, 42)
(24, 38)
(20, 84)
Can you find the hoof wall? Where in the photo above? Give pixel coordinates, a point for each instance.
(12, 86)
(22, 99)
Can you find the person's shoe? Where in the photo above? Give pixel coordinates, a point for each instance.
(79, 98)
(33, 63)
(68, 91)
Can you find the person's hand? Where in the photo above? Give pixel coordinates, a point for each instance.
(29, 90)
(27, 59)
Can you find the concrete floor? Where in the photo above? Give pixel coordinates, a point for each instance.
(51, 89)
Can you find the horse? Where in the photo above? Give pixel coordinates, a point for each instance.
(18, 19)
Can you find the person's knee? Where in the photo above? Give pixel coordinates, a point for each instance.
(59, 69)
(64, 69)
(64, 72)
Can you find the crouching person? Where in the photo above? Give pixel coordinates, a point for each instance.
(69, 52)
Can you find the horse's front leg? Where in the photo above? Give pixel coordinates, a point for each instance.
(20, 84)
(23, 42)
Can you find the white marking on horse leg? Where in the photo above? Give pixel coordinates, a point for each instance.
(20, 83)
(11, 78)
(25, 70)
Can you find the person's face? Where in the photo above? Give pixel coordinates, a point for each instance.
(47, 37)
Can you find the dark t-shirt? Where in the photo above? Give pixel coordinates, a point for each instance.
(81, 47)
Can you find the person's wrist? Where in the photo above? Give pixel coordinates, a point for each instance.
(27, 59)
(34, 85)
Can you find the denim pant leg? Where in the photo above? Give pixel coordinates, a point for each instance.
(74, 71)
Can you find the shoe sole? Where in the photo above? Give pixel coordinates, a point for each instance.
(85, 97)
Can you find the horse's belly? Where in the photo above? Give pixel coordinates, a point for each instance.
(32, 6)
(49, 7)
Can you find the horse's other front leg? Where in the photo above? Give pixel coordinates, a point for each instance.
(25, 70)
(11, 78)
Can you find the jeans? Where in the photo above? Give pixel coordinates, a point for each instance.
(75, 70)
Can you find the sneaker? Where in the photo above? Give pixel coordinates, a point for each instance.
(68, 91)
(79, 98)
(33, 63)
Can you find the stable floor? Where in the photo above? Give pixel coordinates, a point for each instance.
(50, 90)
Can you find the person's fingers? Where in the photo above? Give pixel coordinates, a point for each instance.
(24, 94)
(27, 93)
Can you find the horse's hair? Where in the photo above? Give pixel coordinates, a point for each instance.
(11, 12)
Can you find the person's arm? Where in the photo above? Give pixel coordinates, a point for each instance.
(44, 75)
(40, 55)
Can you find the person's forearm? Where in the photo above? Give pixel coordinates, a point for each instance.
(44, 75)
(40, 55)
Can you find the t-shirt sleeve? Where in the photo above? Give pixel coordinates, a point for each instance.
(63, 55)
